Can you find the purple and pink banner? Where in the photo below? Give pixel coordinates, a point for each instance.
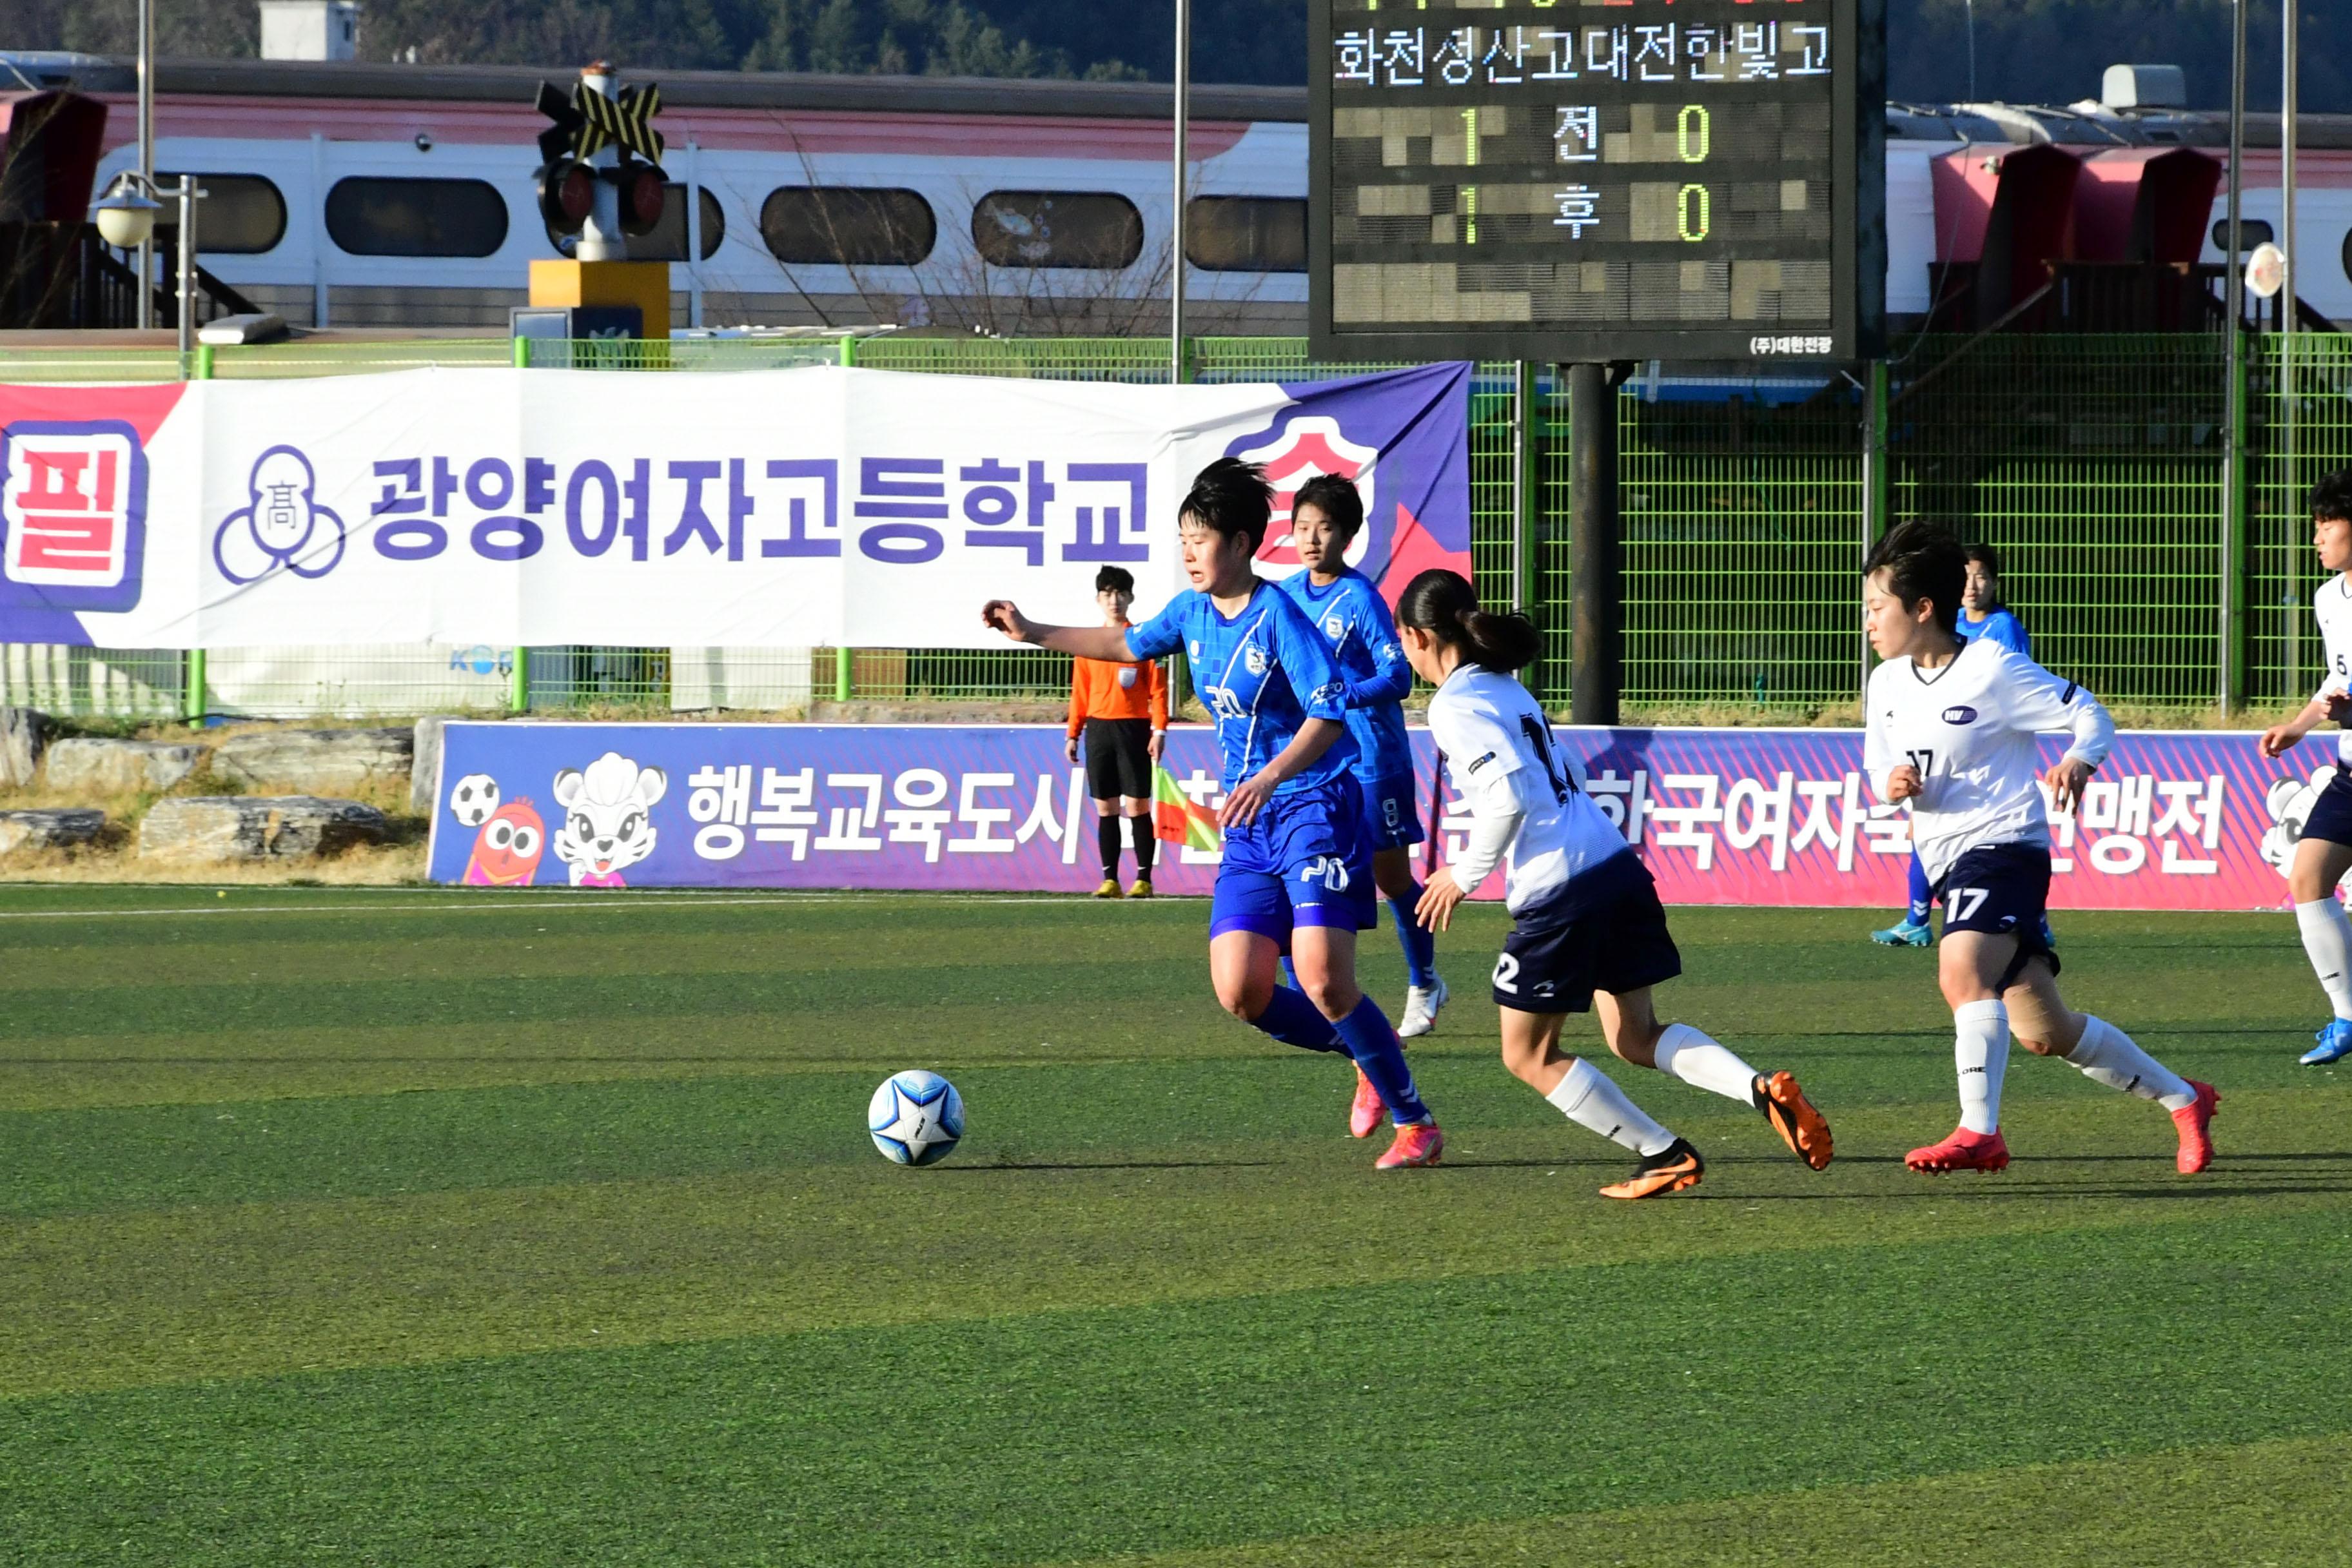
(2173, 821)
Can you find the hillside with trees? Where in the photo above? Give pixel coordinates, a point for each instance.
(2025, 50)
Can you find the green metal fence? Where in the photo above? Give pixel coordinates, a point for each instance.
(2097, 464)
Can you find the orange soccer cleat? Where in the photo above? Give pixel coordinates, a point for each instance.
(1670, 1170)
(1364, 1116)
(1804, 1129)
(1963, 1150)
(2195, 1122)
(1419, 1144)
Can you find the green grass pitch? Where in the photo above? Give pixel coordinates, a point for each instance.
(421, 1227)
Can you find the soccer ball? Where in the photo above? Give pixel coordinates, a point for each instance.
(476, 796)
(916, 1117)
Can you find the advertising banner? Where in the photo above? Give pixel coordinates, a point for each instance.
(747, 509)
(2173, 821)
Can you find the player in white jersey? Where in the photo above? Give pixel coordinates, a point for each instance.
(1587, 930)
(1951, 728)
(2324, 854)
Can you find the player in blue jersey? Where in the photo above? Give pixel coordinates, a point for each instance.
(1354, 619)
(1982, 616)
(1297, 872)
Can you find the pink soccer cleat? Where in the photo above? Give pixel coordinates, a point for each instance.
(1417, 1145)
(1963, 1150)
(1364, 1116)
(2195, 1122)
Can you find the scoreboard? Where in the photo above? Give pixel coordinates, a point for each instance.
(1578, 181)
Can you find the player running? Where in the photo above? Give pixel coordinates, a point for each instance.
(1982, 616)
(2324, 854)
(1951, 728)
(1587, 930)
(1296, 875)
(1343, 604)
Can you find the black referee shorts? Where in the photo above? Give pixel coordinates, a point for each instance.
(1119, 757)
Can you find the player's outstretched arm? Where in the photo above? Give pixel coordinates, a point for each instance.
(1086, 642)
(2280, 738)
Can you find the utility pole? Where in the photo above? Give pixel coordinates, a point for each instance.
(146, 261)
(1183, 107)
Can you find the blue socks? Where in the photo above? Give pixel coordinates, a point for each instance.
(1291, 1019)
(1922, 896)
(1381, 1054)
(1420, 943)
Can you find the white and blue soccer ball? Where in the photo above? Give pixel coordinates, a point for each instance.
(916, 1117)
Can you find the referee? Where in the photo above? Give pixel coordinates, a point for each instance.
(1122, 710)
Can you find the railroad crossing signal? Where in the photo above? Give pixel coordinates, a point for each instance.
(581, 126)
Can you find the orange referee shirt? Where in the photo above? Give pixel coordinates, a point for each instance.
(1105, 689)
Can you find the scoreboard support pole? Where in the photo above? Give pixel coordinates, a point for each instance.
(1597, 632)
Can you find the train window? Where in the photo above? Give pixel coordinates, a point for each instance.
(2252, 230)
(667, 240)
(840, 225)
(241, 214)
(368, 216)
(1057, 228)
(1245, 234)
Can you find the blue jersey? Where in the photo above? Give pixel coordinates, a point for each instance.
(1355, 620)
(1260, 674)
(2000, 627)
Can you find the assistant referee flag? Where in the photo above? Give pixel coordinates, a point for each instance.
(1176, 818)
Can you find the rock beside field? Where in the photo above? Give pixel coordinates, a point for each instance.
(118, 767)
(24, 736)
(310, 760)
(425, 768)
(256, 827)
(49, 829)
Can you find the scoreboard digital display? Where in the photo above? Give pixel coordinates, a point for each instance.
(1578, 181)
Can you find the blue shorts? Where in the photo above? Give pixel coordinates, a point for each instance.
(1391, 819)
(1304, 862)
(1605, 931)
(2002, 890)
(2331, 814)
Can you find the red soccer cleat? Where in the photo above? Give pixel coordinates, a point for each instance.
(2194, 1121)
(1963, 1150)
(1364, 1116)
(1417, 1145)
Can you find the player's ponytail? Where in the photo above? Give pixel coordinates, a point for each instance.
(1444, 604)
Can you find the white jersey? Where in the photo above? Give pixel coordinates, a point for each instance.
(1498, 750)
(1970, 729)
(2333, 604)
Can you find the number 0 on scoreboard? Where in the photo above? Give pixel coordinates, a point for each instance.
(1579, 180)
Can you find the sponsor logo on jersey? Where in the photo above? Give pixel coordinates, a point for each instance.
(1481, 762)
(1960, 714)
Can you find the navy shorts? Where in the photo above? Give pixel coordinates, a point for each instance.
(1610, 934)
(1304, 862)
(1391, 819)
(2331, 814)
(2002, 890)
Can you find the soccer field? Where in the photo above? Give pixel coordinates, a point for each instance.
(414, 1227)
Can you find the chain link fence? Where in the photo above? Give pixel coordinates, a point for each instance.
(2097, 464)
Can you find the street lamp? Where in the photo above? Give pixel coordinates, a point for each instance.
(126, 219)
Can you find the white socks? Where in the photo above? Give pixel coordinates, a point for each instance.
(1590, 1099)
(1700, 1062)
(2108, 1056)
(2328, 940)
(1980, 1052)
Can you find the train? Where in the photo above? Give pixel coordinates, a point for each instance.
(364, 195)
